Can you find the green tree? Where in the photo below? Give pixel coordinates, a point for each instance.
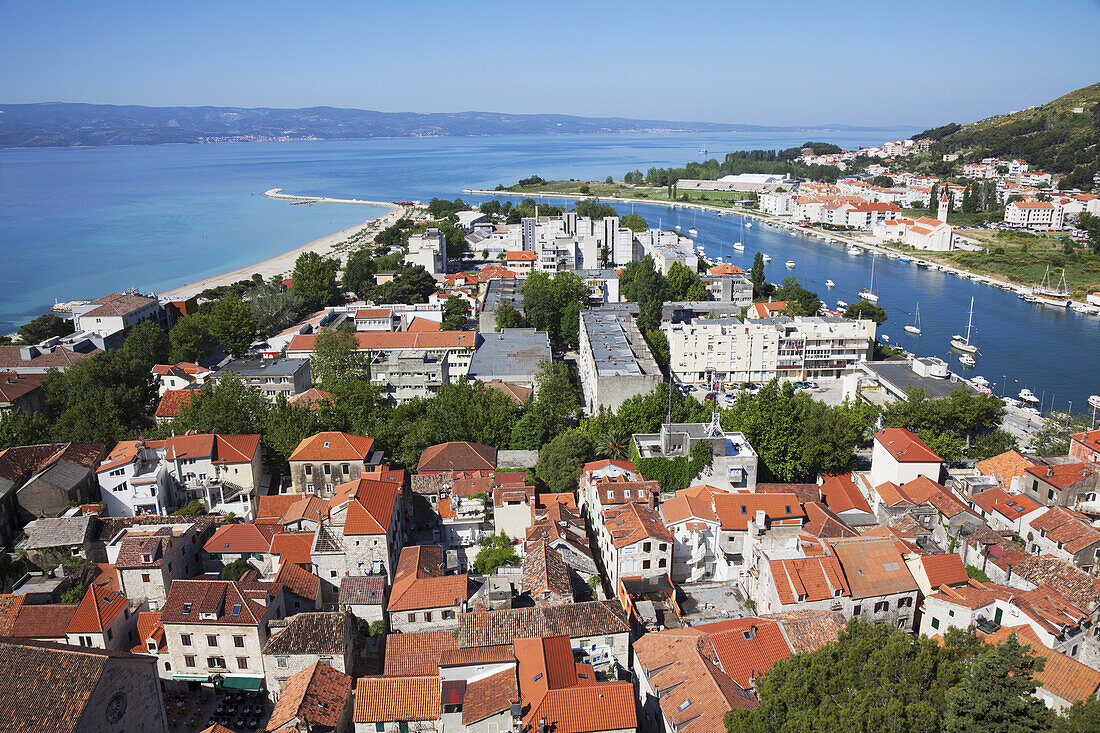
(412, 284)
(634, 222)
(761, 288)
(275, 308)
(997, 693)
(508, 317)
(23, 428)
(1082, 717)
(593, 209)
(336, 357)
(232, 325)
(614, 444)
(553, 304)
(190, 339)
(359, 271)
(993, 443)
(585, 189)
(560, 460)
(1052, 439)
(554, 409)
(235, 569)
(147, 343)
(315, 280)
(285, 425)
(685, 284)
(873, 678)
(226, 405)
(45, 326)
(865, 309)
(74, 594)
(799, 300)
(641, 283)
(456, 311)
(193, 508)
(496, 550)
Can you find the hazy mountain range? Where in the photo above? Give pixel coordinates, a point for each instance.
(67, 125)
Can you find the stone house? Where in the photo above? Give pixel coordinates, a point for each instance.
(44, 480)
(147, 558)
(423, 596)
(1065, 534)
(300, 641)
(315, 700)
(1068, 483)
(104, 620)
(364, 596)
(633, 542)
(899, 456)
(322, 461)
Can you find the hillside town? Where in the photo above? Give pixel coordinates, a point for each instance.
(191, 577)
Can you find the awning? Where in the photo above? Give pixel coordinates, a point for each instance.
(190, 678)
(242, 683)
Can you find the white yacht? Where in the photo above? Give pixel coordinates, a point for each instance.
(967, 360)
(830, 284)
(841, 304)
(693, 232)
(790, 264)
(739, 247)
(869, 294)
(766, 258)
(914, 327)
(980, 381)
(748, 225)
(1027, 395)
(854, 250)
(961, 343)
(884, 338)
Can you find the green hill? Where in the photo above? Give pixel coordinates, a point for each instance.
(1050, 137)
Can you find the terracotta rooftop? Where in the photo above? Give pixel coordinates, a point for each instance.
(417, 654)
(1005, 467)
(802, 579)
(316, 697)
(946, 569)
(42, 622)
(1063, 676)
(386, 341)
(223, 602)
(906, 447)
(632, 522)
(873, 567)
(333, 446)
(419, 581)
(311, 399)
(589, 618)
(457, 456)
(96, 611)
(299, 581)
(545, 571)
(397, 699)
(313, 632)
(518, 393)
(172, 402)
(822, 522)
(696, 693)
(489, 695)
(1063, 475)
(293, 547)
(1072, 530)
(10, 603)
(240, 538)
(1079, 588)
(736, 510)
(841, 494)
(748, 647)
(362, 590)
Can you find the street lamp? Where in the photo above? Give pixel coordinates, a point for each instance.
(1004, 384)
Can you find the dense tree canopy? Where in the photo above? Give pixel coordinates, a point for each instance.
(553, 304)
(866, 310)
(947, 425)
(315, 280)
(560, 460)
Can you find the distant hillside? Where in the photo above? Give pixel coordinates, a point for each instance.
(1051, 137)
(67, 125)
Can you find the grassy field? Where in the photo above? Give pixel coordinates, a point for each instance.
(618, 189)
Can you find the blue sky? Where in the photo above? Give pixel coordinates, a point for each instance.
(771, 62)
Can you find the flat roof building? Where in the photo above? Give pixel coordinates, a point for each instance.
(615, 362)
(512, 355)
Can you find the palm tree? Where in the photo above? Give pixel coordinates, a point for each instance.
(613, 444)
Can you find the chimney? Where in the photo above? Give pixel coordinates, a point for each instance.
(1050, 471)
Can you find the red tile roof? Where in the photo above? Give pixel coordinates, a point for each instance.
(747, 648)
(397, 699)
(906, 447)
(149, 628)
(802, 579)
(585, 619)
(42, 622)
(333, 446)
(311, 399)
(10, 603)
(725, 269)
(457, 456)
(1005, 467)
(316, 697)
(240, 538)
(422, 325)
(841, 494)
(1007, 505)
(417, 653)
(293, 547)
(172, 402)
(1066, 526)
(190, 600)
(1063, 475)
(387, 341)
(96, 611)
(1063, 676)
(370, 504)
(735, 510)
(873, 567)
(632, 522)
(419, 581)
(489, 695)
(946, 569)
(299, 581)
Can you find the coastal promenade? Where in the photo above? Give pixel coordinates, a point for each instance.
(825, 234)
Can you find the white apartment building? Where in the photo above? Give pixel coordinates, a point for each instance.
(1034, 214)
(429, 250)
(704, 351)
(667, 248)
(615, 363)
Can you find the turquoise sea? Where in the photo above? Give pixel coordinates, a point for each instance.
(78, 223)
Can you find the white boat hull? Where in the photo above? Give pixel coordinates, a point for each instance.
(868, 296)
(912, 329)
(963, 346)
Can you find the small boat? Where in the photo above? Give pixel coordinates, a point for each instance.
(967, 360)
(703, 150)
(677, 227)
(766, 258)
(830, 284)
(980, 381)
(841, 304)
(884, 338)
(904, 258)
(854, 250)
(914, 327)
(693, 232)
(739, 247)
(1027, 395)
(748, 225)
(922, 265)
(961, 343)
(1094, 401)
(1082, 308)
(790, 264)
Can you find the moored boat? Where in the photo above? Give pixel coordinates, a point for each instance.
(1027, 395)
(963, 343)
(790, 264)
(914, 328)
(830, 284)
(1047, 294)
(967, 360)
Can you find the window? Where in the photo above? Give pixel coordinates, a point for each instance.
(856, 609)
(662, 562)
(309, 487)
(189, 660)
(427, 615)
(332, 573)
(882, 606)
(345, 469)
(906, 602)
(211, 639)
(412, 617)
(215, 662)
(1073, 651)
(186, 608)
(145, 577)
(185, 639)
(282, 662)
(645, 564)
(935, 623)
(238, 641)
(379, 728)
(327, 469)
(647, 546)
(309, 470)
(448, 614)
(242, 662)
(110, 634)
(662, 547)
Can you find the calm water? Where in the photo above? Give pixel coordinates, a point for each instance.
(84, 222)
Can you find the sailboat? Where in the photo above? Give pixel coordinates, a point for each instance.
(703, 150)
(1047, 295)
(693, 231)
(869, 294)
(738, 245)
(963, 344)
(914, 328)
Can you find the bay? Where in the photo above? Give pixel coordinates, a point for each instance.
(79, 223)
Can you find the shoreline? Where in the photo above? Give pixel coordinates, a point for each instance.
(928, 255)
(282, 264)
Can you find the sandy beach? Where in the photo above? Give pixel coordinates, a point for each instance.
(283, 264)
